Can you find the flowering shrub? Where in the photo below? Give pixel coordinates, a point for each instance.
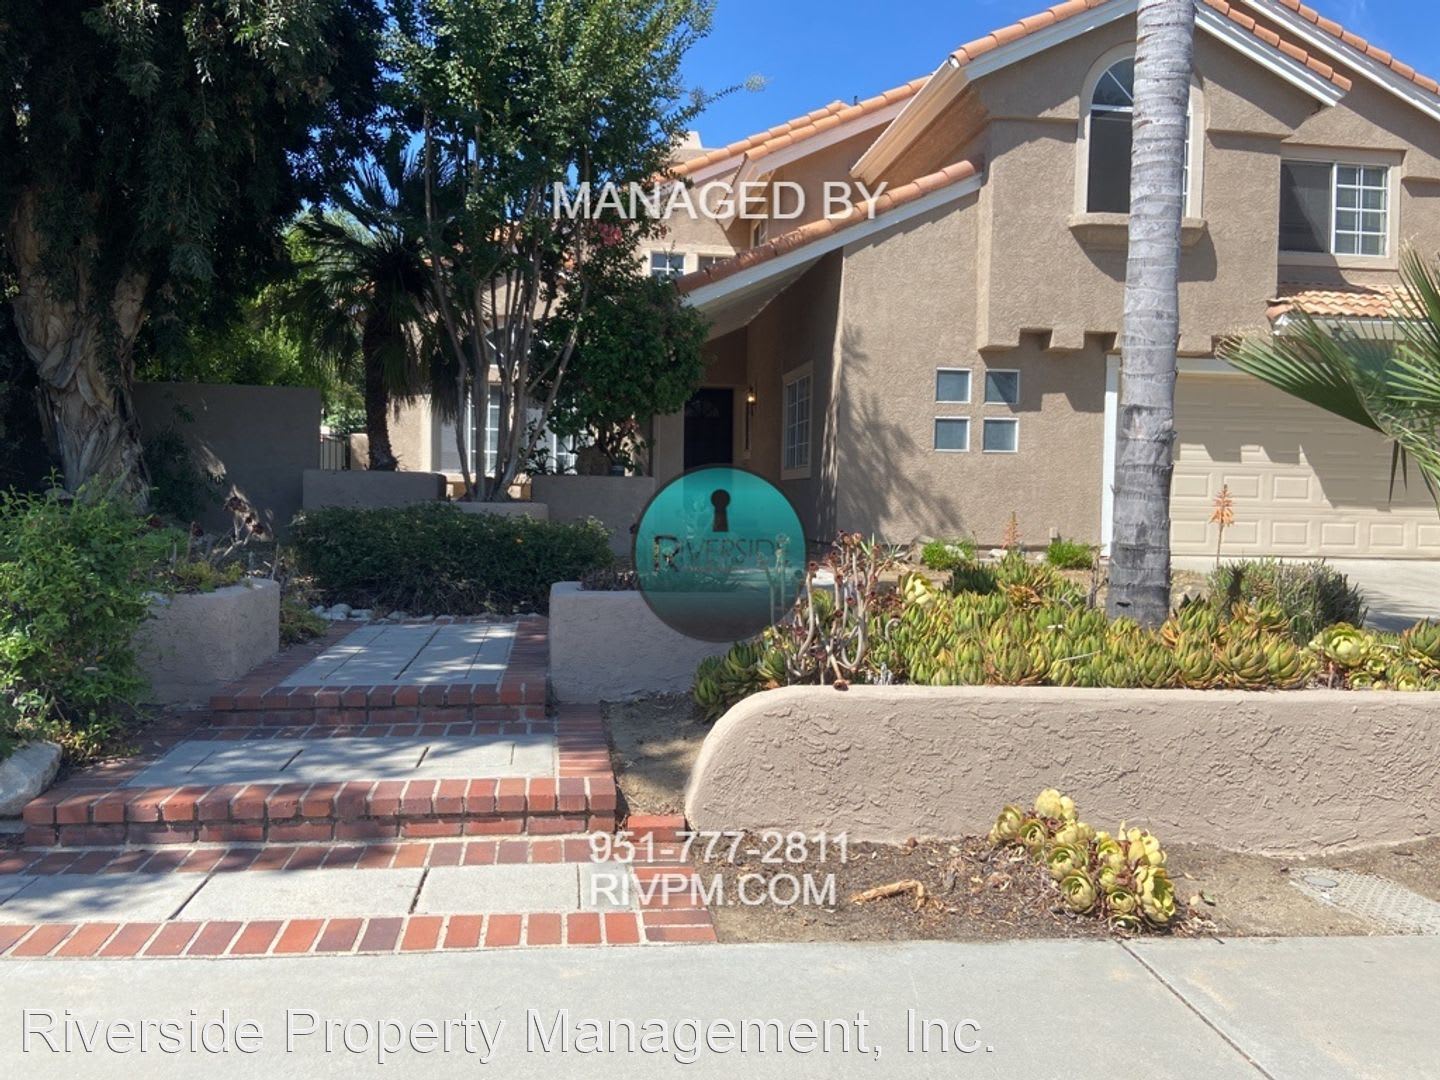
(1120, 878)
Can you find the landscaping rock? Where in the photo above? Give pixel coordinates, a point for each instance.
(25, 774)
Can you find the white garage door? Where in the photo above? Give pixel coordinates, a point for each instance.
(1304, 482)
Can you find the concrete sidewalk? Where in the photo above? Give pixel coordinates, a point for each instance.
(1303, 1009)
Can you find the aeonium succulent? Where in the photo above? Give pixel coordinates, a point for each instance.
(1122, 901)
(1064, 859)
(1079, 892)
(1157, 895)
(1007, 826)
(1051, 804)
(1034, 834)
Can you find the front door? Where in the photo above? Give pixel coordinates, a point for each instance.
(710, 428)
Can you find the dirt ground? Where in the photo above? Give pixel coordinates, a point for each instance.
(977, 894)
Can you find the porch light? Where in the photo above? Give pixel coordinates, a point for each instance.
(751, 397)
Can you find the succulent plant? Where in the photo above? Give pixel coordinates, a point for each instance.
(1079, 892)
(1007, 826)
(1063, 859)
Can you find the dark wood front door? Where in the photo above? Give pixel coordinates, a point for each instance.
(710, 428)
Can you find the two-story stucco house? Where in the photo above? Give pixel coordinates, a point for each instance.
(928, 369)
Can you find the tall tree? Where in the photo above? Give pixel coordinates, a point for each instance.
(362, 292)
(518, 103)
(1140, 544)
(150, 151)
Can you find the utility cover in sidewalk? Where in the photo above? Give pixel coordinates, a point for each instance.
(1375, 899)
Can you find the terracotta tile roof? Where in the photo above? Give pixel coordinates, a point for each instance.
(1355, 41)
(1060, 12)
(1296, 52)
(801, 128)
(806, 234)
(1339, 301)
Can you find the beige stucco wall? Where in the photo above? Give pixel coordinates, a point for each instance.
(194, 643)
(1296, 773)
(259, 438)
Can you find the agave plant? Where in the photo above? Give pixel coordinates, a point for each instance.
(1388, 384)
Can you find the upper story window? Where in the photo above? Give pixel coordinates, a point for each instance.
(667, 265)
(795, 461)
(1109, 131)
(1330, 208)
(707, 261)
(759, 232)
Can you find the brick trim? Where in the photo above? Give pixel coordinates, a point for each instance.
(379, 935)
(258, 700)
(95, 810)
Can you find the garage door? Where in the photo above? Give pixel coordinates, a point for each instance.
(1304, 482)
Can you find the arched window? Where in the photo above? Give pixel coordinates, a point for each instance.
(1109, 120)
(1112, 116)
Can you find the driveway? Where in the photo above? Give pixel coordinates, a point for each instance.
(1398, 592)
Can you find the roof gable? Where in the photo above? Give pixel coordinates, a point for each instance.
(1282, 55)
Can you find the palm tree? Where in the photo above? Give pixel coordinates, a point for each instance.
(1140, 545)
(1389, 383)
(363, 287)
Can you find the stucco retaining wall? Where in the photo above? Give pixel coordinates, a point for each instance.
(609, 646)
(196, 642)
(1302, 772)
(615, 501)
(362, 489)
(537, 510)
(258, 439)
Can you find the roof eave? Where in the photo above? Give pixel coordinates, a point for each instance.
(1314, 37)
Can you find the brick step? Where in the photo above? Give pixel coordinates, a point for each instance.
(339, 812)
(305, 706)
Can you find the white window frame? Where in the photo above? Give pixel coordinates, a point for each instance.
(1013, 421)
(1194, 144)
(797, 470)
(760, 232)
(985, 394)
(668, 272)
(934, 430)
(1355, 159)
(969, 385)
(716, 256)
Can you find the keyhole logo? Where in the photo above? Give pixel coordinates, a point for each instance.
(720, 519)
(719, 554)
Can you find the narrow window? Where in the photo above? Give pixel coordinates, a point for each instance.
(1111, 136)
(797, 424)
(952, 433)
(952, 385)
(1001, 436)
(1002, 387)
(667, 265)
(1112, 117)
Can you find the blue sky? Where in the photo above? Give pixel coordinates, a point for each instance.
(814, 52)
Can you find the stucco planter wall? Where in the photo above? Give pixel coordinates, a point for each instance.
(196, 642)
(537, 510)
(1287, 773)
(615, 501)
(362, 489)
(609, 646)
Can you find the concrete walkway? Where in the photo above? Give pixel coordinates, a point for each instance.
(1237, 1010)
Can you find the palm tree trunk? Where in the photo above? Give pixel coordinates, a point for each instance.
(1140, 546)
(82, 350)
(377, 402)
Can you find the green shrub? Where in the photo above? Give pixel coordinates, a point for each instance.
(298, 624)
(1070, 555)
(75, 575)
(948, 554)
(1311, 595)
(435, 559)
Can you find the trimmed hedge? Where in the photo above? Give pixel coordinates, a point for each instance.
(434, 559)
